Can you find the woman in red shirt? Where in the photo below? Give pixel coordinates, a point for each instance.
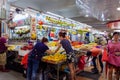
(95, 52)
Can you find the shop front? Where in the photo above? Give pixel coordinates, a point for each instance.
(29, 26)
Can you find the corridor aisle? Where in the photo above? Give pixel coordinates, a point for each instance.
(11, 76)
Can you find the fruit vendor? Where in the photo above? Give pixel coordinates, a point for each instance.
(3, 49)
(96, 52)
(34, 58)
(65, 43)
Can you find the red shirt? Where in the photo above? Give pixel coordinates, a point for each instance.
(95, 51)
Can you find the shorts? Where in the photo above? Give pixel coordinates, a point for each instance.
(71, 58)
(3, 58)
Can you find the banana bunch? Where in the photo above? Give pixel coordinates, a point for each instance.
(33, 36)
(88, 46)
(93, 44)
(52, 44)
(11, 47)
(55, 58)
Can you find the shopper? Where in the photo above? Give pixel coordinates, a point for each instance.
(3, 49)
(69, 51)
(114, 56)
(96, 52)
(34, 58)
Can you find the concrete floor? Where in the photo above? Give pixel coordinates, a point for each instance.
(86, 75)
(11, 76)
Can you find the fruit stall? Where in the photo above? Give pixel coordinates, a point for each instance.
(33, 25)
(58, 63)
(30, 25)
(58, 60)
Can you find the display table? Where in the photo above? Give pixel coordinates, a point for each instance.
(78, 54)
(58, 64)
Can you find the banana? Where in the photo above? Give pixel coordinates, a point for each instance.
(56, 57)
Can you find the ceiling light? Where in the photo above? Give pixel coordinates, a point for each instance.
(54, 14)
(67, 19)
(118, 8)
(108, 19)
(12, 0)
(18, 17)
(86, 15)
(18, 27)
(103, 17)
(116, 30)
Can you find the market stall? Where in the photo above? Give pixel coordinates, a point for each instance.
(33, 25)
(58, 62)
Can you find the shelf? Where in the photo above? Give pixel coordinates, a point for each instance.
(24, 26)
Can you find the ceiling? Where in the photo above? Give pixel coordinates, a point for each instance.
(69, 9)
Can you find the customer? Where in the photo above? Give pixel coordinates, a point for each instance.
(101, 42)
(69, 51)
(34, 58)
(3, 49)
(95, 52)
(114, 56)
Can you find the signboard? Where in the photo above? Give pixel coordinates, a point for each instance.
(114, 25)
(33, 29)
(52, 20)
(60, 22)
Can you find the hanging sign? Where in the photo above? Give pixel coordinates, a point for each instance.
(33, 29)
(60, 22)
(114, 25)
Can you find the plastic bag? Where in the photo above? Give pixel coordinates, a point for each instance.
(105, 56)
